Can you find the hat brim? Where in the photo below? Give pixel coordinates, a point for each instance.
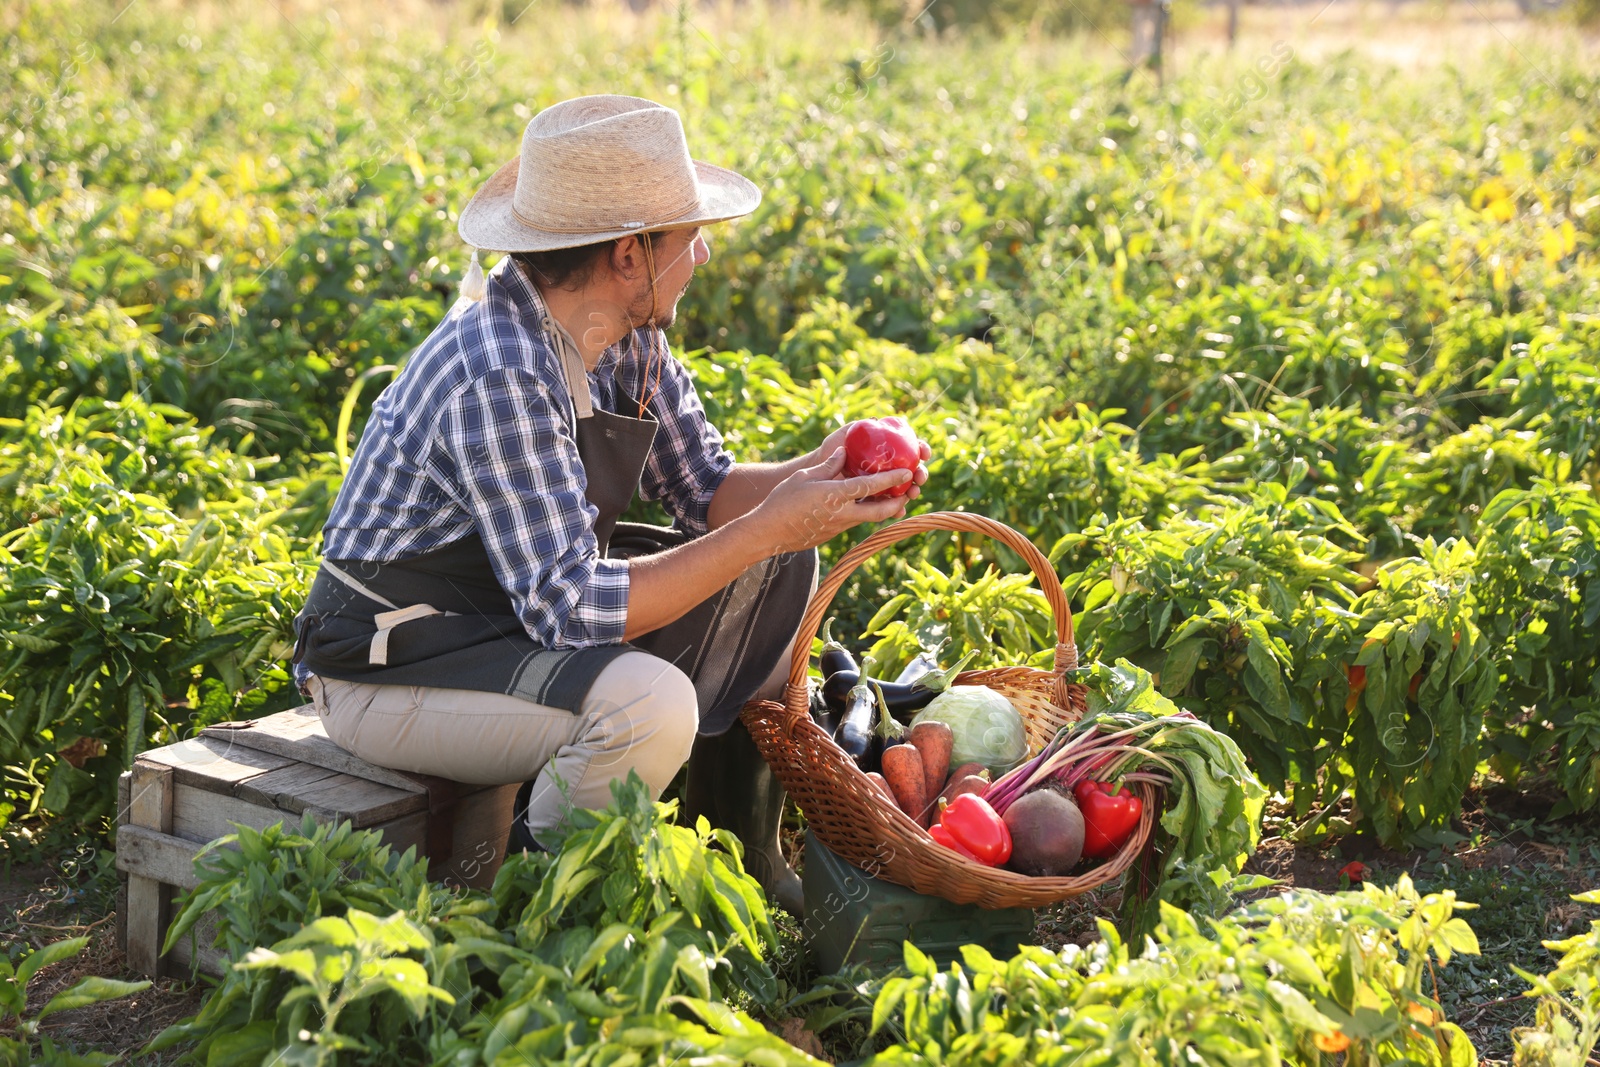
(488, 221)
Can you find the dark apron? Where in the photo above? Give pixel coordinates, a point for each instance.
(441, 619)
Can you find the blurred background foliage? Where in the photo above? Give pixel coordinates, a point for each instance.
(1276, 353)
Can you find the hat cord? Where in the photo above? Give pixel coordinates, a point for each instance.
(655, 359)
(473, 285)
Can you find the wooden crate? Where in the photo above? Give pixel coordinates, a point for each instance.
(256, 773)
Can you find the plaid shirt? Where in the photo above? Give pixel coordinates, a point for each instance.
(477, 434)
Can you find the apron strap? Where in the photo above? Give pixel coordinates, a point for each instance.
(572, 363)
(385, 621)
(356, 585)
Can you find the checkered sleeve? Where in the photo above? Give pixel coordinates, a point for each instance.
(687, 462)
(503, 444)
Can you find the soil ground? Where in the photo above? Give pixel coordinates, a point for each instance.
(73, 896)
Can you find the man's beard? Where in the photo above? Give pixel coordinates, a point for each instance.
(666, 309)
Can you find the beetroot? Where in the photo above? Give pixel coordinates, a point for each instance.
(1046, 834)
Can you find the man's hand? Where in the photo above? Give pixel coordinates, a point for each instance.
(835, 442)
(815, 504)
(810, 505)
(749, 484)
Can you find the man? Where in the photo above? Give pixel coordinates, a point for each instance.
(479, 614)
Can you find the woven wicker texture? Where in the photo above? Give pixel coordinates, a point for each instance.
(849, 815)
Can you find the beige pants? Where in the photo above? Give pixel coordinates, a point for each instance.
(640, 715)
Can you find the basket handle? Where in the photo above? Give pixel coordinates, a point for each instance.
(795, 696)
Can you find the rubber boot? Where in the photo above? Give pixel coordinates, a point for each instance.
(731, 785)
(521, 838)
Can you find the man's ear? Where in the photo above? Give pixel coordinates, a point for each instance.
(627, 257)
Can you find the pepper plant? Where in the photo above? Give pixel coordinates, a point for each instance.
(1234, 612)
(1567, 1027)
(1286, 980)
(1554, 384)
(1002, 619)
(1538, 565)
(118, 608)
(343, 952)
(1421, 678)
(260, 886)
(629, 870)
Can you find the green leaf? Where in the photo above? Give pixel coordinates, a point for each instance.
(56, 1057)
(889, 997)
(57, 796)
(193, 910)
(1264, 679)
(692, 965)
(409, 979)
(54, 952)
(591, 1003)
(300, 962)
(1297, 1010)
(1462, 1052)
(1458, 935)
(683, 865)
(135, 736)
(1283, 602)
(30, 643)
(331, 930)
(608, 939)
(1179, 668)
(13, 998)
(1102, 592)
(738, 900)
(1190, 627)
(619, 891)
(86, 991)
(393, 935)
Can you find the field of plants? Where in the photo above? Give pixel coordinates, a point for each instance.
(1291, 364)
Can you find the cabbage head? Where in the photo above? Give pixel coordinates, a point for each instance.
(987, 728)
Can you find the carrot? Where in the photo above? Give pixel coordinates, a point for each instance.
(962, 771)
(934, 740)
(882, 783)
(971, 783)
(902, 768)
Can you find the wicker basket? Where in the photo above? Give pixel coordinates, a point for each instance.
(851, 817)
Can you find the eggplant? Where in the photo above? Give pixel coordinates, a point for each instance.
(836, 689)
(924, 663)
(821, 714)
(890, 731)
(855, 734)
(904, 699)
(835, 657)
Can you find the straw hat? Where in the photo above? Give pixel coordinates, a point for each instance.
(596, 168)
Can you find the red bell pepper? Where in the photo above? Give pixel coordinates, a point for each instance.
(940, 834)
(1110, 814)
(875, 445)
(973, 825)
(1357, 676)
